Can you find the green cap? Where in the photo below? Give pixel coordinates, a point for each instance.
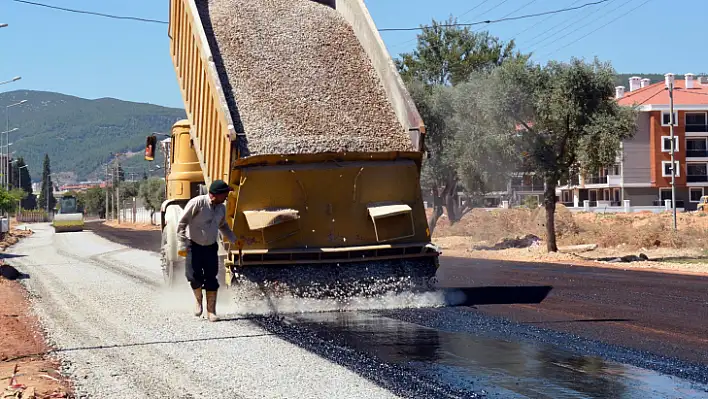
(219, 187)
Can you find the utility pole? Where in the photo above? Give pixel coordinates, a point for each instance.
(106, 204)
(670, 82)
(46, 197)
(116, 179)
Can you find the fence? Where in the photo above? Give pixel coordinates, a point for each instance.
(133, 211)
(34, 216)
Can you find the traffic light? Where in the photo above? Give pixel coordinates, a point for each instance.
(150, 148)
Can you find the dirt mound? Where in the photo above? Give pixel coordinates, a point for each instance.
(636, 230)
(564, 221)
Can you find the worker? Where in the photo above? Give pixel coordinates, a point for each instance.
(203, 217)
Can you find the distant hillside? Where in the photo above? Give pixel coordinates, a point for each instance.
(79, 134)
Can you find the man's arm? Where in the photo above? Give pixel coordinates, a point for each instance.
(226, 230)
(190, 210)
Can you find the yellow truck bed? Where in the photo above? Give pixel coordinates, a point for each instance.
(332, 207)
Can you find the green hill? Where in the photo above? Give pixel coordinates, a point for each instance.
(79, 134)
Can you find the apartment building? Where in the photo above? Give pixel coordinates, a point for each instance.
(645, 160)
(517, 190)
(603, 187)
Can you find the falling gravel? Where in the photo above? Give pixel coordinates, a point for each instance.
(297, 80)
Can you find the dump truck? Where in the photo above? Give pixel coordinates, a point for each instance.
(69, 217)
(320, 224)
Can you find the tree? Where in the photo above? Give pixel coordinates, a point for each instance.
(95, 201)
(447, 55)
(560, 117)
(438, 175)
(10, 199)
(484, 162)
(20, 175)
(121, 173)
(47, 184)
(152, 192)
(129, 189)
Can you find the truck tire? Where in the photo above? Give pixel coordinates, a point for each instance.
(173, 265)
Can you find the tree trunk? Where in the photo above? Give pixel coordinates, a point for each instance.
(549, 199)
(449, 195)
(437, 209)
(451, 205)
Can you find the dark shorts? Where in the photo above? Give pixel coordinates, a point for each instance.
(202, 266)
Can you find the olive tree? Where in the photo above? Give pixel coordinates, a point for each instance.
(557, 117)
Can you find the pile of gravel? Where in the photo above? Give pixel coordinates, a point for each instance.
(302, 80)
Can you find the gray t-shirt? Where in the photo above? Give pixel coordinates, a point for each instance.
(202, 220)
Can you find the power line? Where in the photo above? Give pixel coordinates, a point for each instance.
(493, 8)
(514, 12)
(492, 21)
(91, 12)
(473, 8)
(562, 23)
(593, 31)
(540, 22)
(572, 24)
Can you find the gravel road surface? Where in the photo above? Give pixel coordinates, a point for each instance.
(123, 337)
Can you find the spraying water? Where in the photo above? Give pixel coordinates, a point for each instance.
(250, 302)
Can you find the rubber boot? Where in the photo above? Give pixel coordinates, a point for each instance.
(211, 305)
(198, 296)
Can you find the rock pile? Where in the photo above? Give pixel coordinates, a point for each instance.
(300, 81)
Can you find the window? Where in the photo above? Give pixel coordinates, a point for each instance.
(696, 173)
(567, 196)
(696, 148)
(666, 143)
(666, 168)
(695, 194)
(665, 118)
(696, 118)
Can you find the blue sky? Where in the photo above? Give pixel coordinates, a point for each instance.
(94, 57)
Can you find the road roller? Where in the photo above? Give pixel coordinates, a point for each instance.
(69, 217)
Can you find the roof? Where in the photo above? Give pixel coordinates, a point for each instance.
(656, 97)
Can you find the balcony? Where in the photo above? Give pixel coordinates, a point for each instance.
(596, 180)
(696, 128)
(696, 153)
(613, 180)
(527, 187)
(697, 178)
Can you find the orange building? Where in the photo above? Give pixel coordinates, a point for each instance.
(642, 174)
(646, 159)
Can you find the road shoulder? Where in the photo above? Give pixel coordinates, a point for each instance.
(25, 364)
(24, 351)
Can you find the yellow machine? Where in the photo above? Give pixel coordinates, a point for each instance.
(703, 204)
(325, 224)
(69, 217)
